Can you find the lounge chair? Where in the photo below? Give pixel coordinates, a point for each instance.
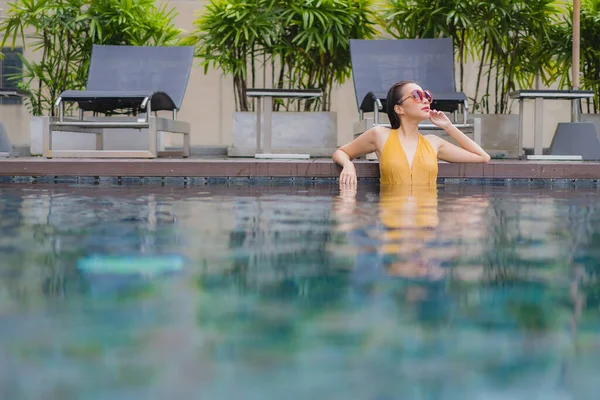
(378, 64)
(133, 81)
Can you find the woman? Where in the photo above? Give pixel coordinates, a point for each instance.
(405, 156)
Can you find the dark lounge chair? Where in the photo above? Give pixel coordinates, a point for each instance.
(378, 64)
(125, 85)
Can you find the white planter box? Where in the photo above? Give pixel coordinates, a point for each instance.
(500, 134)
(314, 133)
(36, 127)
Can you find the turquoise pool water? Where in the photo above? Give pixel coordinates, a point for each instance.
(292, 292)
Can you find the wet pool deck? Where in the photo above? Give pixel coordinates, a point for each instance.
(207, 167)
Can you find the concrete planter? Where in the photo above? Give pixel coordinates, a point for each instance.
(314, 133)
(593, 118)
(36, 127)
(499, 134)
(114, 139)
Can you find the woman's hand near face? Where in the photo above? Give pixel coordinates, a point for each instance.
(439, 119)
(467, 151)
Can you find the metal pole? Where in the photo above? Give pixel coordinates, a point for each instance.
(576, 42)
(538, 129)
(259, 105)
(520, 152)
(268, 103)
(576, 56)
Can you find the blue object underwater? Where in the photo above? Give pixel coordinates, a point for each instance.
(114, 272)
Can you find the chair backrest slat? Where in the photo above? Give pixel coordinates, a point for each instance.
(140, 68)
(378, 64)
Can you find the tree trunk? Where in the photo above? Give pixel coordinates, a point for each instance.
(489, 82)
(461, 54)
(479, 72)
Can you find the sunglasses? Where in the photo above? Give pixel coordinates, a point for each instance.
(419, 95)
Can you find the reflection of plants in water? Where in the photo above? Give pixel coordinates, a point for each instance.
(517, 257)
(591, 291)
(281, 265)
(45, 235)
(516, 246)
(274, 246)
(32, 267)
(501, 243)
(300, 271)
(587, 256)
(532, 316)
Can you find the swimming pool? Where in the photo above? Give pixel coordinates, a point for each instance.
(254, 292)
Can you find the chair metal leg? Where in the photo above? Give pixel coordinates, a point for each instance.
(520, 152)
(258, 124)
(268, 102)
(160, 141)
(152, 136)
(100, 141)
(538, 134)
(375, 114)
(186, 145)
(575, 106)
(47, 138)
(477, 130)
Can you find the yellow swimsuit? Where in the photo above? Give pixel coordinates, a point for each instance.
(394, 168)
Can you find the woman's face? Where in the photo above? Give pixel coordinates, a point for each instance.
(414, 103)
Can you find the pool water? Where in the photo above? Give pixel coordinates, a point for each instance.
(295, 292)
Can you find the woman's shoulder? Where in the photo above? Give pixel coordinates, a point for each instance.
(377, 135)
(378, 131)
(382, 130)
(434, 140)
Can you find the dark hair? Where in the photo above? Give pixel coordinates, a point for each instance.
(394, 96)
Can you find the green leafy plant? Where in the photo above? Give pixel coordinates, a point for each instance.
(560, 46)
(503, 35)
(63, 32)
(314, 46)
(509, 34)
(302, 43)
(233, 35)
(433, 19)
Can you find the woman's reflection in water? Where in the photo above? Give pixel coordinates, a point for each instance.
(409, 218)
(416, 235)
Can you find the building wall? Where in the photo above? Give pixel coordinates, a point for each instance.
(209, 101)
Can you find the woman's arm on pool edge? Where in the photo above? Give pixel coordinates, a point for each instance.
(469, 151)
(364, 144)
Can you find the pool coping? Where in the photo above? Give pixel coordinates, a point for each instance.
(37, 169)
